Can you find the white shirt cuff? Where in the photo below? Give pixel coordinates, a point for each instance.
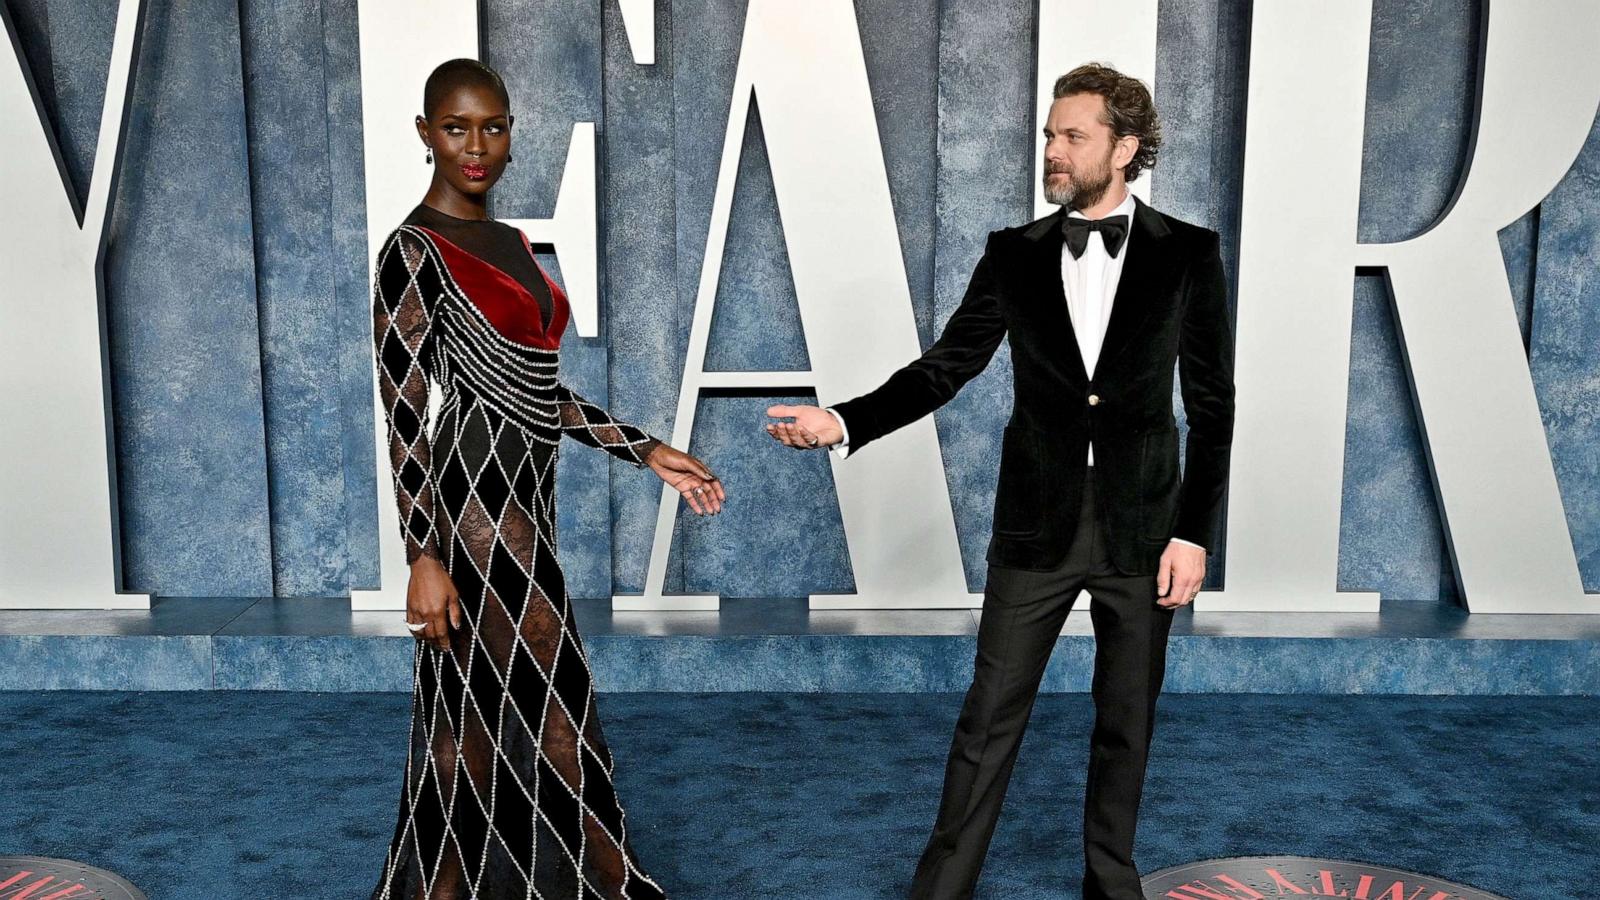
(843, 446)
(1190, 543)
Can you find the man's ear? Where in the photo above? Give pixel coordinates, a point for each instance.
(1127, 146)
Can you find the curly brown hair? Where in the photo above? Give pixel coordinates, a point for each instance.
(1129, 109)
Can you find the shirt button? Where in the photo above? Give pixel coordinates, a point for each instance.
(1094, 399)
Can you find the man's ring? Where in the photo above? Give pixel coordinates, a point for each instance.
(416, 626)
(813, 441)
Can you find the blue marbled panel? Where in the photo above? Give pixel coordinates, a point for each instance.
(900, 39)
(1422, 69)
(755, 323)
(796, 663)
(780, 535)
(352, 283)
(583, 474)
(705, 37)
(1565, 335)
(812, 663)
(1201, 50)
(985, 182)
(290, 185)
(1187, 95)
(312, 663)
(1519, 247)
(640, 271)
(1231, 68)
(181, 311)
(80, 662)
(1380, 666)
(80, 51)
(549, 53)
(1389, 534)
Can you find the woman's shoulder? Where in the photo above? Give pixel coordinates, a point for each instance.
(407, 235)
(406, 252)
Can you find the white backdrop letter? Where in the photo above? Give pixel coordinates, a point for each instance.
(1480, 418)
(58, 523)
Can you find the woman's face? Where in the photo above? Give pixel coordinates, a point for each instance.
(470, 134)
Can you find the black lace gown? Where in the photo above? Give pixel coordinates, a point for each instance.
(508, 787)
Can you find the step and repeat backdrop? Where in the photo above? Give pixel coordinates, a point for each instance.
(1408, 193)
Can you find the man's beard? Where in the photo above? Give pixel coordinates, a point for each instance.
(1080, 193)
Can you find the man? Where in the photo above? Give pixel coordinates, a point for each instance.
(1099, 301)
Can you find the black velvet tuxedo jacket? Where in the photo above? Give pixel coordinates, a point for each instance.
(1170, 307)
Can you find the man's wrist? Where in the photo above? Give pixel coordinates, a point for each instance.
(842, 445)
(1179, 540)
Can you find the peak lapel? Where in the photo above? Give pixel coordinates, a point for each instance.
(1135, 289)
(1052, 313)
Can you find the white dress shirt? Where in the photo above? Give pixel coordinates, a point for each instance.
(1090, 285)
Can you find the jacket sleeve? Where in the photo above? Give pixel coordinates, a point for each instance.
(402, 335)
(963, 349)
(1205, 378)
(592, 426)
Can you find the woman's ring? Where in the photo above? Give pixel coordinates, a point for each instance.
(813, 441)
(416, 626)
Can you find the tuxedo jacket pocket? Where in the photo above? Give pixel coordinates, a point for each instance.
(1019, 501)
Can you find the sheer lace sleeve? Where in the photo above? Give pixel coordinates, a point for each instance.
(403, 344)
(589, 424)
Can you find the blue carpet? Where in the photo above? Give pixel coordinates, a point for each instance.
(223, 794)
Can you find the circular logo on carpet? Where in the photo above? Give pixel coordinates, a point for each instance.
(40, 876)
(1259, 877)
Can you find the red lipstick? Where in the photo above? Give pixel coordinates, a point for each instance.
(475, 171)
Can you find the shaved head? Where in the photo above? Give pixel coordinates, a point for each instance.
(456, 73)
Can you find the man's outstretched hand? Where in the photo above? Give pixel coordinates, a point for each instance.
(813, 427)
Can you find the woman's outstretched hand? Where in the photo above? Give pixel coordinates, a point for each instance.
(813, 427)
(689, 477)
(431, 598)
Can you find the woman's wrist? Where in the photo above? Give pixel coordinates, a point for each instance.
(425, 555)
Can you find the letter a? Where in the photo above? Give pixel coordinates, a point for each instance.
(805, 63)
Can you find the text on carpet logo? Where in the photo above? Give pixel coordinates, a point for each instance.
(1260, 877)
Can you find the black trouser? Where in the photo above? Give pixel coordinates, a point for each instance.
(1023, 613)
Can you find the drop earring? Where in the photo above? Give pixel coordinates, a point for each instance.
(429, 160)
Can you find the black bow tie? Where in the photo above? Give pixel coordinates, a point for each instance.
(1113, 230)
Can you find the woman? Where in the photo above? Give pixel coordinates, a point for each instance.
(508, 789)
